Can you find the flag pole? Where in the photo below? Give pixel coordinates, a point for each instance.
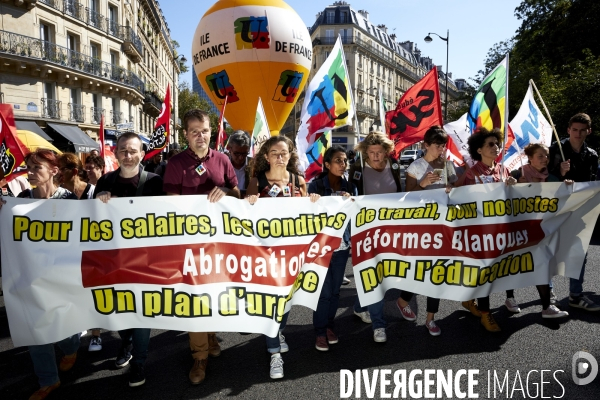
(532, 83)
(503, 167)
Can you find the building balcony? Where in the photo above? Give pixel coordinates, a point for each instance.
(152, 104)
(361, 87)
(57, 4)
(51, 108)
(96, 114)
(132, 45)
(75, 10)
(95, 19)
(366, 110)
(28, 50)
(76, 112)
(116, 118)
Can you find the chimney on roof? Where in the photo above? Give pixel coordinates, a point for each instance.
(382, 27)
(449, 75)
(364, 13)
(393, 36)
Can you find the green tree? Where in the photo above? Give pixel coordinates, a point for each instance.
(182, 66)
(557, 46)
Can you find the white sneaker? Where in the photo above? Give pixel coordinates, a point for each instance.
(379, 335)
(95, 344)
(512, 305)
(554, 312)
(364, 316)
(276, 370)
(282, 343)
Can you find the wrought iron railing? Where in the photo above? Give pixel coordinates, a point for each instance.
(129, 35)
(114, 29)
(29, 47)
(96, 114)
(95, 19)
(75, 10)
(51, 108)
(57, 4)
(153, 99)
(365, 109)
(360, 86)
(76, 112)
(116, 117)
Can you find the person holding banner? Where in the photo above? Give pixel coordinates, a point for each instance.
(42, 169)
(484, 149)
(331, 182)
(200, 170)
(580, 164)
(275, 174)
(432, 171)
(533, 172)
(130, 180)
(380, 175)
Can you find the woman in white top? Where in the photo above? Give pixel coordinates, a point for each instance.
(432, 171)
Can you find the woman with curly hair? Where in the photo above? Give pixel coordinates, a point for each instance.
(380, 174)
(275, 174)
(275, 171)
(484, 148)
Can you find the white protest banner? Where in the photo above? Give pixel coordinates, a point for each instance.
(178, 263)
(528, 126)
(478, 240)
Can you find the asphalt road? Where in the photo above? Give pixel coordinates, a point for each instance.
(526, 343)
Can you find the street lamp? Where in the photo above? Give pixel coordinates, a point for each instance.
(180, 59)
(377, 102)
(429, 39)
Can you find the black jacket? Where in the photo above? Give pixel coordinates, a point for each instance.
(584, 165)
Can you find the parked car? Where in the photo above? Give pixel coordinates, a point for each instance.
(408, 156)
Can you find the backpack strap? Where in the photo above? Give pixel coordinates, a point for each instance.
(140, 188)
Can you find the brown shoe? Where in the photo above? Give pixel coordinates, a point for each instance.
(43, 392)
(331, 337)
(198, 371)
(472, 306)
(489, 323)
(214, 349)
(66, 363)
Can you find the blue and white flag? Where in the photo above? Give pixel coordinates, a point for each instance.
(528, 126)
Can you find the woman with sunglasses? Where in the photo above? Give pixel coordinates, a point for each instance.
(72, 176)
(484, 148)
(432, 171)
(331, 182)
(275, 173)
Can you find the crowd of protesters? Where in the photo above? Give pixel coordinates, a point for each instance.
(273, 172)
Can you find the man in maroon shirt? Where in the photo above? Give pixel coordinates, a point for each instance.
(200, 170)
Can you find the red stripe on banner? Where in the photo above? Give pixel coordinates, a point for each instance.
(483, 241)
(164, 265)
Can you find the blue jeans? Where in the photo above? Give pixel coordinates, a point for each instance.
(44, 359)
(139, 339)
(376, 311)
(576, 285)
(330, 294)
(273, 345)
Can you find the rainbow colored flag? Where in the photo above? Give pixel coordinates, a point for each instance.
(315, 156)
(328, 103)
(488, 106)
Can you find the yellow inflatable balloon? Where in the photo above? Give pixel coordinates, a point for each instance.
(246, 49)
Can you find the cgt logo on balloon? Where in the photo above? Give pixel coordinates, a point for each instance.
(221, 87)
(252, 33)
(287, 88)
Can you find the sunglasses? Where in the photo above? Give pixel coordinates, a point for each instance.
(493, 144)
(240, 153)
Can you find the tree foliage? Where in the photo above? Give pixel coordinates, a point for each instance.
(557, 46)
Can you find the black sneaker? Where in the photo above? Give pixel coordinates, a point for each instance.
(123, 357)
(136, 375)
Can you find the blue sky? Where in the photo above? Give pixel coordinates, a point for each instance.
(475, 25)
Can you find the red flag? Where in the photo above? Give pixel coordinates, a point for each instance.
(160, 136)
(221, 135)
(417, 111)
(453, 154)
(110, 161)
(12, 151)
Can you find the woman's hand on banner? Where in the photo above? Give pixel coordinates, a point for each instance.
(104, 196)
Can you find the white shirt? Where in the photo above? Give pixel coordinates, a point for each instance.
(241, 175)
(420, 167)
